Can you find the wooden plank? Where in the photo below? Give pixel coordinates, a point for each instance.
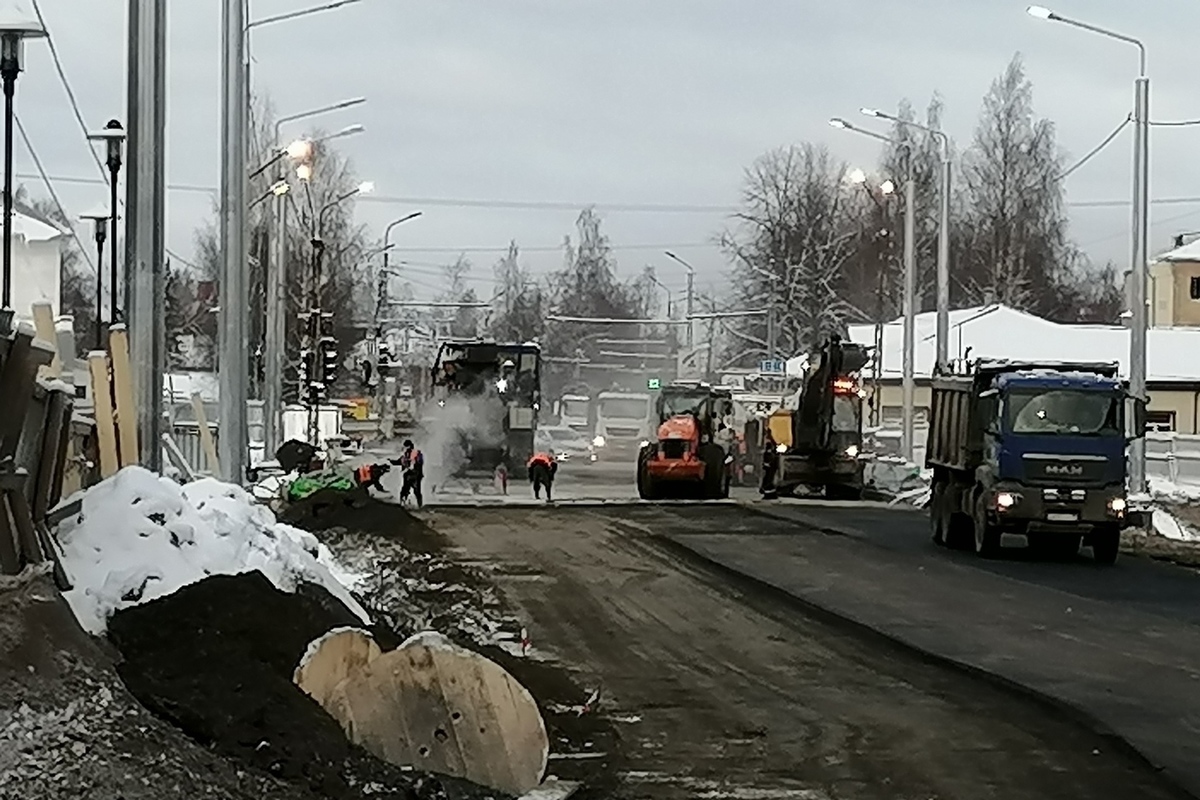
(102, 410)
(206, 439)
(63, 456)
(17, 379)
(126, 406)
(43, 320)
(10, 562)
(30, 549)
(52, 436)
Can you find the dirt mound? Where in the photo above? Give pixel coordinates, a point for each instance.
(326, 511)
(216, 659)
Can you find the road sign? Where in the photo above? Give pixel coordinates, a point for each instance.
(772, 367)
(653, 384)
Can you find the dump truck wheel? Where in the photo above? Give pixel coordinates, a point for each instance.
(987, 537)
(1106, 544)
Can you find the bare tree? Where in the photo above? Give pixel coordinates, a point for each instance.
(519, 305)
(797, 231)
(463, 322)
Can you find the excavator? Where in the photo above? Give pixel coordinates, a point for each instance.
(820, 441)
(694, 444)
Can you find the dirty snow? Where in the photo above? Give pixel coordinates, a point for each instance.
(140, 537)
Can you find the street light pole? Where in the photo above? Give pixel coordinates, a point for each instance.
(691, 297)
(909, 303)
(15, 28)
(100, 219)
(943, 261)
(1139, 229)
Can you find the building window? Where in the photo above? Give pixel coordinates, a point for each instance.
(1194, 287)
(1160, 421)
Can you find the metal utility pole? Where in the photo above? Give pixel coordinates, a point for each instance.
(1140, 230)
(145, 209)
(908, 385)
(275, 333)
(233, 356)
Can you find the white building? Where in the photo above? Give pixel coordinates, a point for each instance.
(37, 263)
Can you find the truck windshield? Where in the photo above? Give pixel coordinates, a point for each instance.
(845, 413)
(624, 408)
(1059, 411)
(575, 408)
(677, 403)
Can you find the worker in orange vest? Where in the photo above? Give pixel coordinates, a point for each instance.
(542, 467)
(368, 475)
(412, 465)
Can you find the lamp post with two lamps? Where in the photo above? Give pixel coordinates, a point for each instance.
(943, 259)
(909, 303)
(99, 218)
(1139, 230)
(15, 27)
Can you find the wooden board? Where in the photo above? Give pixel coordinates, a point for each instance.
(102, 410)
(338, 655)
(206, 439)
(43, 321)
(126, 407)
(438, 707)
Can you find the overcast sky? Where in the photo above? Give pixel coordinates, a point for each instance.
(621, 102)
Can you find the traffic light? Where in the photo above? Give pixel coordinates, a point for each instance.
(307, 369)
(329, 360)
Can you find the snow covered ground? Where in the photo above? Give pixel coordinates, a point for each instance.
(140, 536)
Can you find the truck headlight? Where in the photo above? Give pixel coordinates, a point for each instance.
(598, 441)
(1117, 505)
(852, 451)
(1005, 501)
(781, 448)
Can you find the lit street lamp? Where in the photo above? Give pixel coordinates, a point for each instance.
(909, 303)
(99, 218)
(16, 25)
(943, 260)
(113, 136)
(1139, 230)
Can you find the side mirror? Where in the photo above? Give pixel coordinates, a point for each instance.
(1135, 417)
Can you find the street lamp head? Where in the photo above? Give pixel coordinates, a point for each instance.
(839, 123)
(873, 112)
(366, 187)
(304, 172)
(857, 176)
(97, 214)
(887, 187)
(349, 130)
(299, 150)
(280, 188)
(1041, 12)
(17, 24)
(113, 136)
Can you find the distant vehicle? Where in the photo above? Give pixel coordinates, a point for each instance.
(1035, 449)
(622, 424)
(567, 444)
(574, 411)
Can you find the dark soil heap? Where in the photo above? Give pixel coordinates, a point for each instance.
(216, 658)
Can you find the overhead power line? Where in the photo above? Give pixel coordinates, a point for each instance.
(54, 196)
(1096, 150)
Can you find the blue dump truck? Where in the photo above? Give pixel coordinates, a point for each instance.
(1036, 449)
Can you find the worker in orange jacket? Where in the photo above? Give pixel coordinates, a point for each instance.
(542, 467)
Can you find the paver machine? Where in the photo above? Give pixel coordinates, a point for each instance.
(693, 448)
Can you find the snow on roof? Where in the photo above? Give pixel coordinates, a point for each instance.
(1189, 252)
(1000, 332)
(32, 229)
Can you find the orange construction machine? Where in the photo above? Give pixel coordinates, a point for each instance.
(694, 445)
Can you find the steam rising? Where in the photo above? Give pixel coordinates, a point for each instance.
(449, 430)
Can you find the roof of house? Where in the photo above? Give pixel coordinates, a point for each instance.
(1189, 252)
(1000, 332)
(34, 227)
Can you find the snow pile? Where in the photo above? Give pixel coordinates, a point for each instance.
(140, 537)
(1164, 491)
(894, 475)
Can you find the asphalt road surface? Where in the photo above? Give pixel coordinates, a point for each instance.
(726, 688)
(1120, 643)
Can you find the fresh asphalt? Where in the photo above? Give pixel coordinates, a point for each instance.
(1119, 644)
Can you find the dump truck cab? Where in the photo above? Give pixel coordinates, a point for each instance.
(693, 444)
(1032, 449)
